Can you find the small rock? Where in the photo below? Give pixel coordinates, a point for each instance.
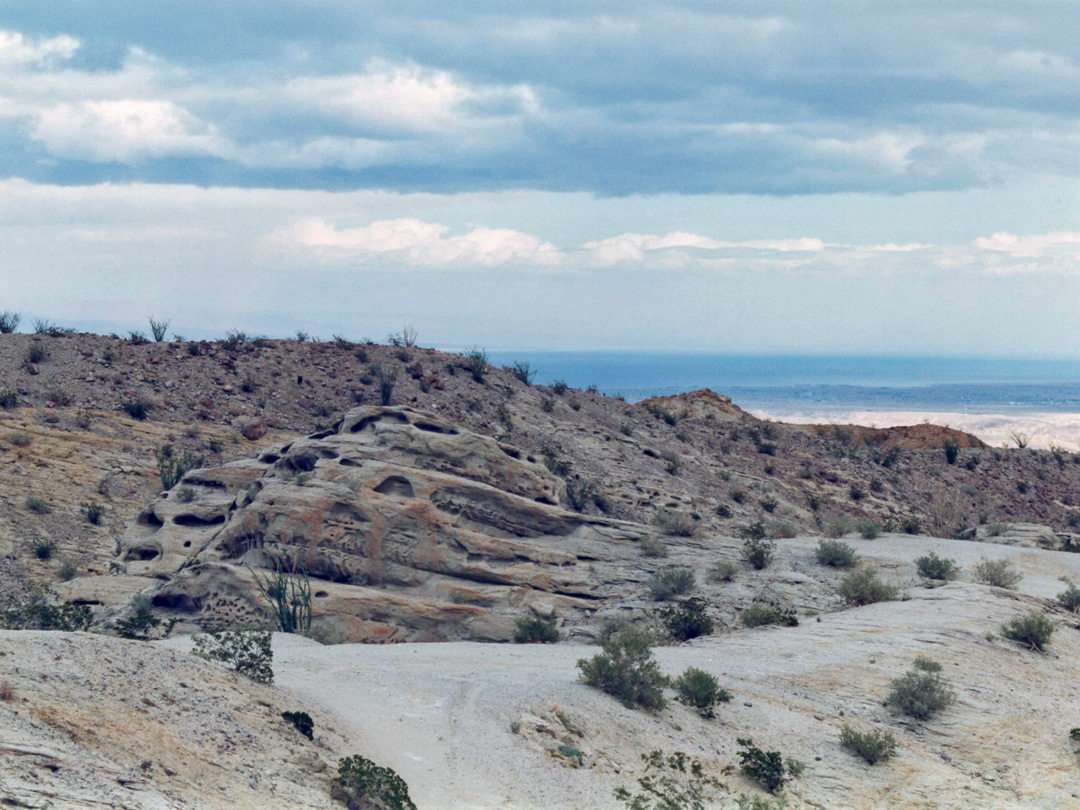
(253, 429)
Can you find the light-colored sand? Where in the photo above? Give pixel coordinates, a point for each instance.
(996, 429)
(441, 714)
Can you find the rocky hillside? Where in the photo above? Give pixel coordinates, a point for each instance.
(84, 417)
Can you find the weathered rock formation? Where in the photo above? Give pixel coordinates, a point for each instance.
(409, 527)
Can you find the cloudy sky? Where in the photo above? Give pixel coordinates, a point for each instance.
(765, 176)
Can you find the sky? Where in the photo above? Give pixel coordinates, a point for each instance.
(765, 176)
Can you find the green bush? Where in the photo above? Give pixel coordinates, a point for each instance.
(626, 670)
(363, 785)
(477, 363)
(289, 593)
(835, 554)
(44, 548)
(302, 722)
(862, 587)
(932, 566)
(1033, 630)
(1070, 598)
(173, 467)
(873, 746)
(580, 492)
(758, 551)
(767, 768)
(9, 321)
(39, 506)
(999, 573)
(760, 614)
(246, 651)
(687, 620)
(93, 511)
(700, 691)
(36, 352)
(674, 782)
(723, 571)
(674, 522)
(559, 387)
(669, 582)
(37, 613)
(139, 626)
(523, 372)
(920, 692)
(136, 408)
(8, 399)
(868, 528)
(534, 630)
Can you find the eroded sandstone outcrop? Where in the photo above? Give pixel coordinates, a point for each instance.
(409, 527)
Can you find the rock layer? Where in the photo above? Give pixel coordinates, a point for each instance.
(409, 527)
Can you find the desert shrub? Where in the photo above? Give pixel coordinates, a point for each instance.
(477, 363)
(36, 352)
(873, 746)
(674, 522)
(559, 387)
(738, 495)
(137, 339)
(674, 782)
(1033, 630)
(838, 526)
(835, 554)
(999, 573)
(910, 525)
(669, 582)
(580, 492)
(769, 504)
(66, 571)
(301, 721)
(768, 768)
(534, 630)
(387, 379)
(723, 511)
(523, 372)
(952, 451)
(654, 547)
(136, 408)
(37, 613)
(723, 571)
(19, 438)
(1070, 598)
(158, 328)
(920, 692)
(868, 528)
(856, 492)
(139, 626)
(247, 651)
(763, 613)
(672, 461)
(758, 551)
(626, 670)
(289, 594)
(777, 529)
(43, 548)
(185, 494)
(173, 467)
(862, 587)
(93, 511)
(700, 691)
(9, 321)
(8, 399)
(363, 785)
(37, 505)
(687, 620)
(931, 566)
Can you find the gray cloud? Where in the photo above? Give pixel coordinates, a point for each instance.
(645, 97)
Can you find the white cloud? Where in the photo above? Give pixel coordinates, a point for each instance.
(1060, 244)
(405, 97)
(635, 247)
(17, 51)
(124, 131)
(417, 243)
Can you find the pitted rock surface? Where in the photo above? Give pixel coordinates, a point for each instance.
(409, 527)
